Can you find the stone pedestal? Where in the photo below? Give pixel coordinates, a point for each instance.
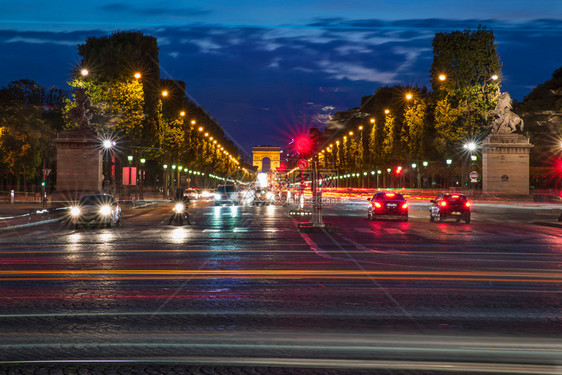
(505, 164)
(79, 163)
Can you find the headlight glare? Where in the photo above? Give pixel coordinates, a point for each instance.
(75, 211)
(105, 210)
(178, 207)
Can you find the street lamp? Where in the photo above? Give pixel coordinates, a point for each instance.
(84, 72)
(165, 180)
(386, 111)
(470, 146)
(137, 75)
(408, 96)
(142, 161)
(164, 93)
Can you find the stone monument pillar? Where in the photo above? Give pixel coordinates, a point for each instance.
(505, 155)
(79, 163)
(79, 155)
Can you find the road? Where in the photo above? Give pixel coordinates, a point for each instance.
(243, 285)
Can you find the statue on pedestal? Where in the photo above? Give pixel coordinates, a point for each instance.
(81, 114)
(505, 121)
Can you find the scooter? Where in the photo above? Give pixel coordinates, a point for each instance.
(180, 215)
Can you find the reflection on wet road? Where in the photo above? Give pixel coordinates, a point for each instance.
(247, 272)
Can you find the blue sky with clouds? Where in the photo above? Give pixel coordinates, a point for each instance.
(260, 67)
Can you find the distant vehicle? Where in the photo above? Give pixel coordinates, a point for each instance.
(388, 205)
(226, 194)
(263, 197)
(207, 193)
(450, 205)
(96, 209)
(191, 193)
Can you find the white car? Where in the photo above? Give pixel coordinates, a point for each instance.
(96, 209)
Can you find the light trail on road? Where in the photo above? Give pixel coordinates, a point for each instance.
(513, 277)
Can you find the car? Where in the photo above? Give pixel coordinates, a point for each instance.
(96, 209)
(226, 194)
(450, 205)
(388, 205)
(263, 197)
(191, 193)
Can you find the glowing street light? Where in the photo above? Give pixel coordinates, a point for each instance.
(137, 75)
(84, 72)
(449, 161)
(442, 77)
(372, 121)
(182, 113)
(408, 96)
(107, 144)
(164, 93)
(470, 146)
(495, 77)
(386, 111)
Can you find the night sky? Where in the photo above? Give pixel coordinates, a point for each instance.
(265, 68)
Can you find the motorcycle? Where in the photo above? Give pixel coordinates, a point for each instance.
(180, 214)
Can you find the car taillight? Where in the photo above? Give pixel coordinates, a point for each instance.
(467, 204)
(443, 204)
(454, 196)
(390, 195)
(404, 206)
(378, 205)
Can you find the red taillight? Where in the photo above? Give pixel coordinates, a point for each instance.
(467, 204)
(378, 205)
(404, 206)
(443, 204)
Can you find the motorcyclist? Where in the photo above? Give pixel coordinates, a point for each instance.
(180, 198)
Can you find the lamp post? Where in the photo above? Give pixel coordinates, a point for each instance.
(142, 174)
(449, 162)
(173, 178)
(130, 160)
(165, 181)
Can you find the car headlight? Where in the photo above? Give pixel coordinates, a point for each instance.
(178, 207)
(105, 210)
(218, 197)
(75, 211)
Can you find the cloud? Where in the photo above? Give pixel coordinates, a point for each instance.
(355, 72)
(30, 40)
(129, 9)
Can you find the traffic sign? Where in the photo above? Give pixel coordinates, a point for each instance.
(302, 164)
(473, 176)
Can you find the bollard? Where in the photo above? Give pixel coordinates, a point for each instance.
(12, 194)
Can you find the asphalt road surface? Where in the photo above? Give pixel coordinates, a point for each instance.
(243, 287)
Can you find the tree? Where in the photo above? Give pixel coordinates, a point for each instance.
(541, 111)
(27, 127)
(116, 58)
(415, 120)
(469, 63)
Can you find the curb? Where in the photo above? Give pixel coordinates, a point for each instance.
(548, 224)
(40, 222)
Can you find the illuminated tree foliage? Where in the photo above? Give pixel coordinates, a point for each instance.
(29, 119)
(470, 62)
